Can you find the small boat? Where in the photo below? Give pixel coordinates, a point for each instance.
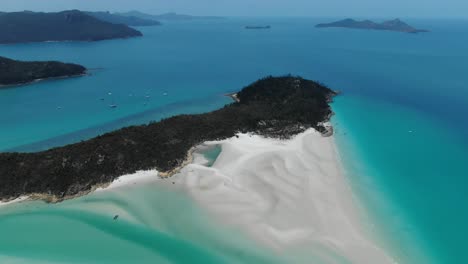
(116, 217)
(165, 94)
(257, 27)
(113, 106)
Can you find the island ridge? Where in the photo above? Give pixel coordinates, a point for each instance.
(74, 25)
(391, 25)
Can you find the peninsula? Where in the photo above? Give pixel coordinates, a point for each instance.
(74, 25)
(13, 72)
(391, 25)
(279, 107)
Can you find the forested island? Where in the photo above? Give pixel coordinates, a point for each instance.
(126, 20)
(74, 25)
(391, 25)
(13, 72)
(273, 107)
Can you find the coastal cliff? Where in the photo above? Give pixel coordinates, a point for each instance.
(13, 72)
(272, 107)
(74, 25)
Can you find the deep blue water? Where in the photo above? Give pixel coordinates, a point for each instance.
(415, 183)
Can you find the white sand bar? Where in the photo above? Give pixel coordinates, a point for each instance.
(137, 178)
(286, 194)
(17, 200)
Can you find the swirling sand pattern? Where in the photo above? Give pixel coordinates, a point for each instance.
(155, 225)
(289, 195)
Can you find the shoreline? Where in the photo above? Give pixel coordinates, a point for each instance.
(233, 96)
(119, 181)
(314, 205)
(122, 181)
(8, 86)
(101, 159)
(188, 160)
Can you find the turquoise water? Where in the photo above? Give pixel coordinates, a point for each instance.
(152, 227)
(211, 154)
(413, 183)
(420, 164)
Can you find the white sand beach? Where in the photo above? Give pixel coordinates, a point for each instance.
(286, 194)
(289, 195)
(17, 200)
(138, 178)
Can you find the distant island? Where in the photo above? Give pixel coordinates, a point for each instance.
(13, 72)
(74, 25)
(257, 27)
(168, 16)
(126, 20)
(272, 107)
(391, 25)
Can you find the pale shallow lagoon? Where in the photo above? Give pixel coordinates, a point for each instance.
(157, 224)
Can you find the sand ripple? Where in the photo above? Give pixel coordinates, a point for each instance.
(290, 195)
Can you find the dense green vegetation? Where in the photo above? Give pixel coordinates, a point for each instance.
(14, 72)
(126, 20)
(72, 25)
(272, 107)
(391, 25)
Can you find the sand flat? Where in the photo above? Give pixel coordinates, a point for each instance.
(287, 194)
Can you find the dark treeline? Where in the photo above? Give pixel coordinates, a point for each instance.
(272, 107)
(14, 72)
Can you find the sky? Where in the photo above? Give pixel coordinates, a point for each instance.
(310, 8)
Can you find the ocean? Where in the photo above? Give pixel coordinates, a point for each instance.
(401, 127)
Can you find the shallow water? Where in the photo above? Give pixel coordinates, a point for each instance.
(211, 154)
(410, 171)
(156, 224)
(392, 83)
